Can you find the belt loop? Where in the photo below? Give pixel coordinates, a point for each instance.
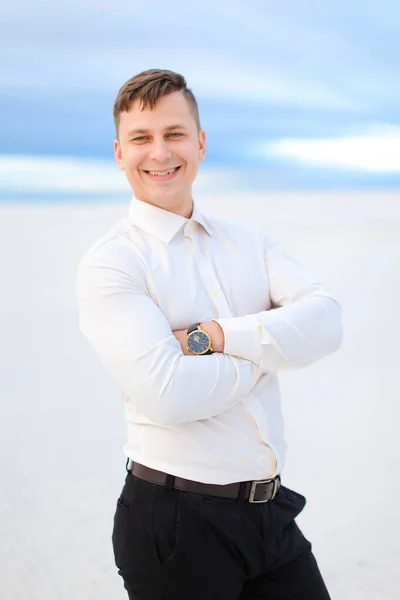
(128, 470)
(242, 492)
(169, 483)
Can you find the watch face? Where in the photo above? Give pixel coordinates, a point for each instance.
(198, 342)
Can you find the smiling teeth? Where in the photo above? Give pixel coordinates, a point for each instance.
(157, 174)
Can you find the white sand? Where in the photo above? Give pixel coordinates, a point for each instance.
(62, 467)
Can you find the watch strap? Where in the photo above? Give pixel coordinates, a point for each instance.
(193, 328)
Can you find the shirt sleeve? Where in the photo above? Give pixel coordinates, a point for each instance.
(302, 326)
(134, 340)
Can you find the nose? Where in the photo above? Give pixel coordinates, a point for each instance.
(160, 150)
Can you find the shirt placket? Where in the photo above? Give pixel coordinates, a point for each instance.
(207, 274)
(221, 309)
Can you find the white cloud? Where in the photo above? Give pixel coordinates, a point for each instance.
(264, 51)
(33, 174)
(377, 150)
(47, 174)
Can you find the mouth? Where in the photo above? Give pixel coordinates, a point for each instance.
(163, 175)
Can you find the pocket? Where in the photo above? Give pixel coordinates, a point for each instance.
(288, 504)
(120, 532)
(166, 524)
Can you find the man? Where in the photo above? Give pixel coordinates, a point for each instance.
(194, 317)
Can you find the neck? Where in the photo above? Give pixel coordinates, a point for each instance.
(183, 208)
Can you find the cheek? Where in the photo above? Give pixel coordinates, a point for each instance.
(134, 159)
(190, 156)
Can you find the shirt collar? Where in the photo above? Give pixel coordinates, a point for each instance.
(162, 223)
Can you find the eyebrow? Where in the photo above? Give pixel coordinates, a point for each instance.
(169, 128)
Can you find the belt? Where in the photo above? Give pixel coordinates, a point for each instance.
(254, 491)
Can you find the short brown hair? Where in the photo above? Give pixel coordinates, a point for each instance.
(148, 87)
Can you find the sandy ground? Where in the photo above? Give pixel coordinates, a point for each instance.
(62, 467)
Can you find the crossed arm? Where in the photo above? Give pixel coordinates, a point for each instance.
(303, 325)
(166, 384)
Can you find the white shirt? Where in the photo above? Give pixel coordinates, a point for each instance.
(215, 418)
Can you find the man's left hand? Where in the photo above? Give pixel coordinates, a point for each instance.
(213, 329)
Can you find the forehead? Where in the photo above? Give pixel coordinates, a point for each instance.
(169, 110)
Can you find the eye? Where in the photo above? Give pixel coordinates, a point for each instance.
(175, 134)
(141, 138)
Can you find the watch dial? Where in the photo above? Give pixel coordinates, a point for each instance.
(198, 342)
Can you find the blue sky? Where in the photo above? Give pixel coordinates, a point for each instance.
(302, 87)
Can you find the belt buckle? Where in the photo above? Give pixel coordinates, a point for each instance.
(253, 489)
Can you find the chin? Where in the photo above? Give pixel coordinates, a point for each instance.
(169, 196)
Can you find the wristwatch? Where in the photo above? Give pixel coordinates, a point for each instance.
(198, 341)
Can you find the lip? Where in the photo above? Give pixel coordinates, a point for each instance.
(163, 177)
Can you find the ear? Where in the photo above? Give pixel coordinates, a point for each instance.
(118, 155)
(202, 145)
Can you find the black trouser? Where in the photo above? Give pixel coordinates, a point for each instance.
(178, 545)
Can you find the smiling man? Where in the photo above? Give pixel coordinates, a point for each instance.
(194, 317)
(159, 147)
